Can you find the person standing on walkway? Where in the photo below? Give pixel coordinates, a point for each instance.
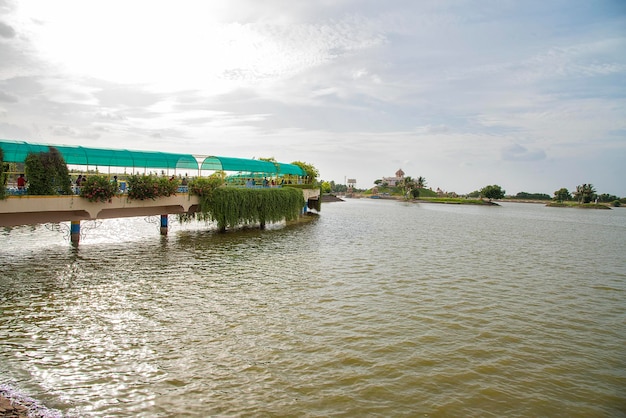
(21, 183)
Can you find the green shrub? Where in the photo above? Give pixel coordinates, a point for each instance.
(204, 186)
(47, 173)
(97, 188)
(142, 187)
(40, 180)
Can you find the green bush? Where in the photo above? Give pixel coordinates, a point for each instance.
(204, 186)
(47, 173)
(97, 188)
(142, 187)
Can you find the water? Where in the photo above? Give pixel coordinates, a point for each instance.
(374, 308)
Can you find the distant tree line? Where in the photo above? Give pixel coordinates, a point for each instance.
(532, 196)
(586, 193)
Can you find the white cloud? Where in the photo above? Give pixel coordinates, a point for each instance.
(516, 152)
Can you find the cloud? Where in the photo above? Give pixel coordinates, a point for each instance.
(70, 132)
(8, 98)
(6, 31)
(516, 152)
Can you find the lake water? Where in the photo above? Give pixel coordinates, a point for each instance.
(374, 308)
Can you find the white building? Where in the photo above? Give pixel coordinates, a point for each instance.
(393, 181)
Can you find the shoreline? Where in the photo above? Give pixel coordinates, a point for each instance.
(14, 404)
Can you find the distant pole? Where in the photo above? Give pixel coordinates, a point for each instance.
(75, 232)
(163, 224)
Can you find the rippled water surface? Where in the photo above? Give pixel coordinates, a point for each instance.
(374, 308)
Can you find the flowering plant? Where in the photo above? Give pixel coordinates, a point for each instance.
(204, 186)
(97, 188)
(142, 187)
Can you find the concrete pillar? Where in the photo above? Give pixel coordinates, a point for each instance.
(163, 224)
(75, 232)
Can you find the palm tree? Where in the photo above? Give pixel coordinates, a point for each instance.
(421, 182)
(585, 193)
(406, 185)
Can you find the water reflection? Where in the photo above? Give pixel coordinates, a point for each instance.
(374, 308)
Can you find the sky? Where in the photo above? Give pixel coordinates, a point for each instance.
(529, 95)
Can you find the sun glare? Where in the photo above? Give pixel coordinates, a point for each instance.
(174, 47)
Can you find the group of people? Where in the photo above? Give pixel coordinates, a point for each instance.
(22, 181)
(267, 183)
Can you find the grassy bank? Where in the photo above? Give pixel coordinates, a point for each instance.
(578, 205)
(457, 201)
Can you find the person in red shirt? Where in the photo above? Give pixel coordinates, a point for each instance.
(21, 183)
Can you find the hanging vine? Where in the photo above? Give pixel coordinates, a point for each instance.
(230, 207)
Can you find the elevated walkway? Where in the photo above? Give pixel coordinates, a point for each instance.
(31, 210)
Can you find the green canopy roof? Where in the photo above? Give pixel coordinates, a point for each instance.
(252, 166)
(16, 152)
(290, 169)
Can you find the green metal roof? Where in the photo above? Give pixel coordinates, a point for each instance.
(252, 166)
(16, 152)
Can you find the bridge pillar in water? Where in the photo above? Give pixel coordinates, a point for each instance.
(75, 232)
(163, 224)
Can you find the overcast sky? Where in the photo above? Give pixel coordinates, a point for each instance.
(529, 95)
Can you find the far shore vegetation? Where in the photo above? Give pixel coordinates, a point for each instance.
(48, 174)
(583, 196)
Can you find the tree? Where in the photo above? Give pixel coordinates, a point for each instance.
(309, 169)
(406, 186)
(492, 192)
(562, 194)
(585, 193)
(532, 196)
(421, 182)
(605, 197)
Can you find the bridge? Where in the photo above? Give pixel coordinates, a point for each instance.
(20, 208)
